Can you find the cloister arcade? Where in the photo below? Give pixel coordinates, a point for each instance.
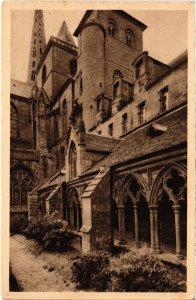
(73, 209)
(153, 216)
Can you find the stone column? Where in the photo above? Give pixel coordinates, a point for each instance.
(156, 226)
(121, 225)
(78, 217)
(137, 242)
(176, 209)
(152, 228)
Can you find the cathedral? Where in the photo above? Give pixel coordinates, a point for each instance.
(98, 134)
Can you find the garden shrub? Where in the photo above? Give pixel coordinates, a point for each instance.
(137, 271)
(91, 272)
(51, 233)
(18, 223)
(134, 271)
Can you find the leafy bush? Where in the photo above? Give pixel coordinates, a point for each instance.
(138, 271)
(90, 272)
(51, 233)
(134, 271)
(18, 223)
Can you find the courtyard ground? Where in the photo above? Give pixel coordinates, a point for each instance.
(38, 271)
(33, 270)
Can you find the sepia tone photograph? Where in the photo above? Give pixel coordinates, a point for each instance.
(98, 177)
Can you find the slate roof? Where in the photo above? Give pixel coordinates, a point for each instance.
(65, 35)
(100, 143)
(19, 88)
(55, 180)
(137, 143)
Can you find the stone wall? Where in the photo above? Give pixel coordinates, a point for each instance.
(177, 85)
(25, 125)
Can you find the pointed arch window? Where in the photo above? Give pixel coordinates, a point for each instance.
(112, 27)
(21, 182)
(14, 126)
(73, 161)
(130, 38)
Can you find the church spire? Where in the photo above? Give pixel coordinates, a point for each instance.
(65, 35)
(38, 44)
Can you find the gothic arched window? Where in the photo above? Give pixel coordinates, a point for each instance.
(130, 39)
(14, 125)
(112, 27)
(21, 182)
(73, 161)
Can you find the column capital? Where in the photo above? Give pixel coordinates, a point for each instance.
(176, 208)
(120, 207)
(153, 207)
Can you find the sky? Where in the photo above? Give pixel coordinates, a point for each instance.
(164, 39)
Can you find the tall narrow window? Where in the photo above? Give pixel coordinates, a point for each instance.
(81, 85)
(98, 104)
(32, 75)
(56, 128)
(34, 53)
(33, 64)
(116, 90)
(73, 161)
(64, 118)
(110, 129)
(44, 74)
(164, 99)
(112, 27)
(73, 67)
(40, 51)
(141, 112)
(14, 126)
(124, 123)
(130, 39)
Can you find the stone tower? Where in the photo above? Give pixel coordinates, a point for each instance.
(109, 42)
(38, 44)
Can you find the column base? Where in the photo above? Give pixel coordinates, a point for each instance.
(179, 256)
(157, 251)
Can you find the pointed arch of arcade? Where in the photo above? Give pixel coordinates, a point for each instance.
(168, 209)
(133, 212)
(21, 182)
(73, 209)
